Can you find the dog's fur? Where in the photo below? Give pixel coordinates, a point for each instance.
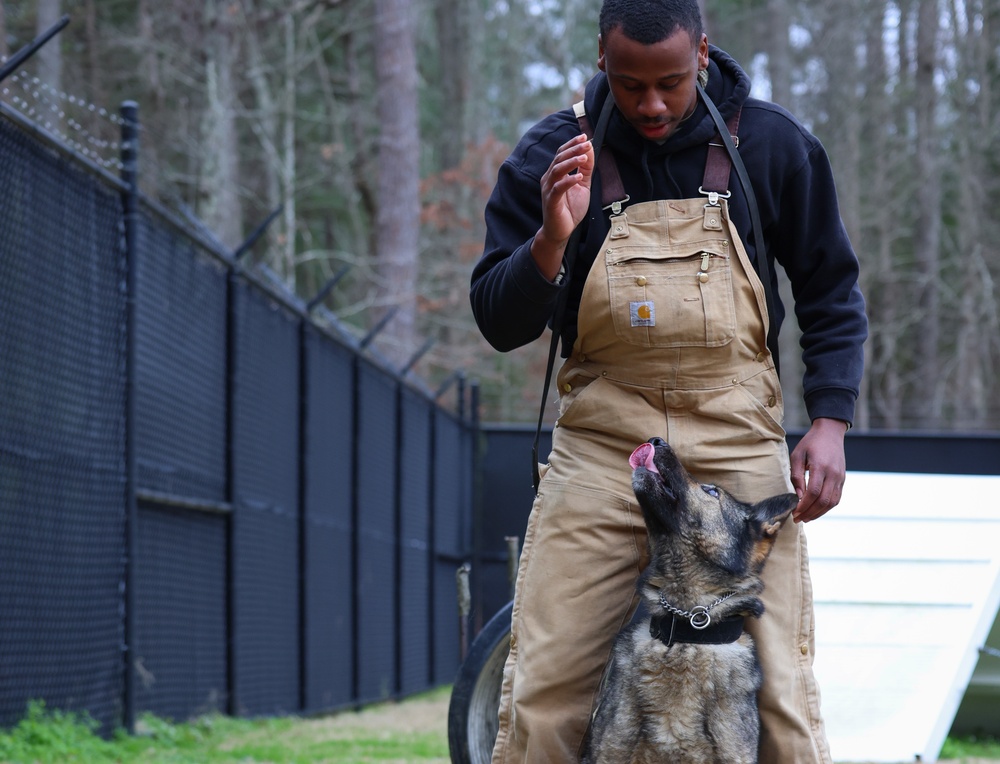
(688, 703)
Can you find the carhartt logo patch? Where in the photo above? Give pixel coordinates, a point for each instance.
(643, 313)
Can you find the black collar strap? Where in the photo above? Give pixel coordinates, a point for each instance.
(671, 629)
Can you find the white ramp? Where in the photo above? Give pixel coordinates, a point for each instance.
(906, 577)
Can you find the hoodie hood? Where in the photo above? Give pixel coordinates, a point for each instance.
(728, 87)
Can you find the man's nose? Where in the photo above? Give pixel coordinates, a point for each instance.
(650, 105)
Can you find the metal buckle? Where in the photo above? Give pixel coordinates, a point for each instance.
(736, 142)
(714, 196)
(616, 207)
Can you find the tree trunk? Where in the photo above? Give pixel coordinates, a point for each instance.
(879, 278)
(977, 323)
(222, 210)
(779, 71)
(50, 56)
(927, 230)
(50, 60)
(452, 27)
(288, 175)
(846, 106)
(398, 176)
(779, 57)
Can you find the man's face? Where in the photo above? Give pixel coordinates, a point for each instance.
(653, 85)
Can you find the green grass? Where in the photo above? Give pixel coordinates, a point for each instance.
(971, 747)
(48, 736)
(388, 732)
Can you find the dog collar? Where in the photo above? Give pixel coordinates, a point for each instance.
(700, 616)
(671, 629)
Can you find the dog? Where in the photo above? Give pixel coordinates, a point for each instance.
(682, 682)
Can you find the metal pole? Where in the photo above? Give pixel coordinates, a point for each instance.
(130, 176)
(464, 608)
(303, 527)
(405, 368)
(233, 702)
(257, 233)
(461, 396)
(327, 288)
(377, 328)
(475, 500)
(33, 47)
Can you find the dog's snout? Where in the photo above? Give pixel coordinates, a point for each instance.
(657, 442)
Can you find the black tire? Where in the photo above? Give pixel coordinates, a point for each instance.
(475, 698)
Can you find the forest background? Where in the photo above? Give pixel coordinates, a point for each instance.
(377, 127)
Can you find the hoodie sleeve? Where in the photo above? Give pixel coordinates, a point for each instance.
(813, 247)
(511, 300)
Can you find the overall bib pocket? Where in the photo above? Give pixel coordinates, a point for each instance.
(666, 299)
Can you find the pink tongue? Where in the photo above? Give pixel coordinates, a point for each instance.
(643, 457)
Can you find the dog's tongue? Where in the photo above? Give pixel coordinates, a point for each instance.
(643, 457)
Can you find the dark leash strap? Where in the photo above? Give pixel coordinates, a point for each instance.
(763, 268)
(569, 256)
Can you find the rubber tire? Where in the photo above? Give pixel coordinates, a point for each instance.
(475, 697)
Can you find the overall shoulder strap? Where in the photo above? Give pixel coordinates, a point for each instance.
(611, 179)
(612, 189)
(718, 164)
(719, 168)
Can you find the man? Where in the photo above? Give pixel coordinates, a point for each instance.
(664, 334)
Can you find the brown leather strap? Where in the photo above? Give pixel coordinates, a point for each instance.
(569, 258)
(718, 164)
(612, 188)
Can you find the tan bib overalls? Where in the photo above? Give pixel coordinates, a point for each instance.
(671, 343)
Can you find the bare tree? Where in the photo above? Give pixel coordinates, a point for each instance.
(927, 230)
(50, 56)
(452, 25)
(883, 384)
(976, 329)
(220, 157)
(397, 221)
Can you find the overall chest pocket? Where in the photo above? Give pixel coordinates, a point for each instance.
(668, 300)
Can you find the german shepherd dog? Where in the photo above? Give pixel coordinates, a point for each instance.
(682, 683)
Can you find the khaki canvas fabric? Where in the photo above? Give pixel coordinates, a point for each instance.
(671, 343)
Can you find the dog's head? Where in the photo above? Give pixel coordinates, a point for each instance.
(684, 516)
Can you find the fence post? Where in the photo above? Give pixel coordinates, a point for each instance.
(129, 112)
(476, 505)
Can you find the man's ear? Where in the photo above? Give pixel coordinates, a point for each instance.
(702, 52)
(600, 54)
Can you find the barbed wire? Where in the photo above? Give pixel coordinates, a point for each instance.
(62, 114)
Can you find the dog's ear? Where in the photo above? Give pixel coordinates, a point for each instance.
(771, 513)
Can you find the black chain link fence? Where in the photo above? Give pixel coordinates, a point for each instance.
(62, 434)
(208, 501)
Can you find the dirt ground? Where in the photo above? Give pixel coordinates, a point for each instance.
(423, 714)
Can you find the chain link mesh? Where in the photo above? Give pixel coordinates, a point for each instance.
(62, 429)
(279, 566)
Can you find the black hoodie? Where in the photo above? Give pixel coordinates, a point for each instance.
(792, 181)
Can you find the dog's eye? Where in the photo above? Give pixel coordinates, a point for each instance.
(711, 490)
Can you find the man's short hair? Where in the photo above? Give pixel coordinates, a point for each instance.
(651, 21)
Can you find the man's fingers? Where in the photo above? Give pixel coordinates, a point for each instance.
(574, 155)
(822, 493)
